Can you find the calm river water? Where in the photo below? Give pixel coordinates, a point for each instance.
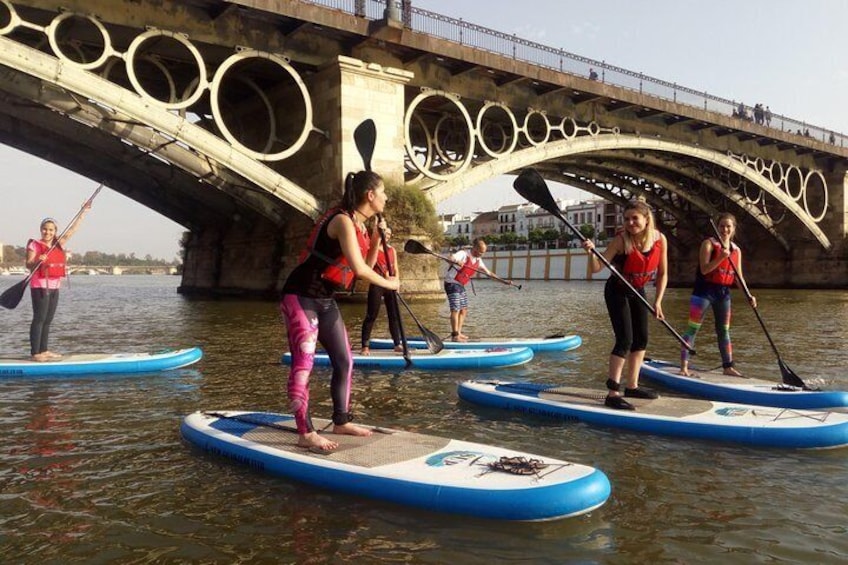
(94, 470)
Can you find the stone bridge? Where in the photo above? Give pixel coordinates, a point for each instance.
(235, 119)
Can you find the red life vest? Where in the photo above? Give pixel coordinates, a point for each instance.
(723, 274)
(382, 265)
(338, 271)
(468, 269)
(54, 266)
(640, 268)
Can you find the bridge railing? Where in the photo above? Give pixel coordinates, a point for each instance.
(512, 46)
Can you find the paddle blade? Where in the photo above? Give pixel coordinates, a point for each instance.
(11, 297)
(789, 376)
(415, 247)
(533, 187)
(434, 342)
(365, 138)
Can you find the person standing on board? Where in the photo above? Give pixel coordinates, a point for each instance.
(338, 251)
(639, 253)
(465, 265)
(713, 280)
(46, 258)
(377, 295)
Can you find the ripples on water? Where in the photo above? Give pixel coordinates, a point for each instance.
(94, 469)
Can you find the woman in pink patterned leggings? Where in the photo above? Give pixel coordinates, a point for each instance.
(339, 250)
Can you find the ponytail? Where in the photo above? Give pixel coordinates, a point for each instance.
(356, 188)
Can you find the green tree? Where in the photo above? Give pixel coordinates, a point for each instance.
(409, 208)
(588, 231)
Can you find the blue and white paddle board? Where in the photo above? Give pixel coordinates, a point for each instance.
(541, 344)
(717, 386)
(429, 472)
(683, 417)
(101, 363)
(444, 360)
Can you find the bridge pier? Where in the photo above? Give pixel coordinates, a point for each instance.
(252, 257)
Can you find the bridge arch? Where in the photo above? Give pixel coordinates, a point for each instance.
(590, 144)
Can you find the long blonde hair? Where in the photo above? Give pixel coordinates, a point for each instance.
(647, 238)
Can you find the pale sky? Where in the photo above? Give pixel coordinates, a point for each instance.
(787, 54)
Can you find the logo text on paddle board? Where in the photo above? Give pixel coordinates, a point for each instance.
(11, 372)
(456, 458)
(731, 411)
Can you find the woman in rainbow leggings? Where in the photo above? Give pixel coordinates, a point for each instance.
(713, 280)
(339, 250)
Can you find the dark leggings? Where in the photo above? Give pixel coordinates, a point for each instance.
(376, 295)
(44, 303)
(629, 318)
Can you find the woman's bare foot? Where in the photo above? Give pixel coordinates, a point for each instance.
(398, 349)
(41, 357)
(51, 355)
(351, 430)
(462, 337)
(732, 372)
(313, 440)
(684, 370)
(365, 351)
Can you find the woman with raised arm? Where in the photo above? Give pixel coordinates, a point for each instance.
(639, 253)
(339, 250)
(46, 259)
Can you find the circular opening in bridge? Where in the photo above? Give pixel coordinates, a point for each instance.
(776, 173)
(80, 40)
(536, 127)
(794, 183)
(569, 128)
(261, 105)
(9, 19)
(161, 65)
(422, 147)
(447, 123)
(815, 195)
(497, 129)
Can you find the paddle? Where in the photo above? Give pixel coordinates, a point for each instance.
(417, 248)
(365, 138)
(532, 186)
(789, 376)
(11, 297)
(434, 342)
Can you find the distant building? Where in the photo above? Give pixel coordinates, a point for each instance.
(485, 224)
(587, 212)
(512, 218)
(456, 225)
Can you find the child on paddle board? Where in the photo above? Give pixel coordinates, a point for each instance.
(338, 251)
(377, 295)
(46, 259)
(465, 265)
(713, 280)
(639, 253)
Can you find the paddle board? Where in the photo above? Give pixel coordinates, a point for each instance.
(717, 386)
(684, 417)
(443, 360)
(444, 475)
(100, 363)
(541, 344)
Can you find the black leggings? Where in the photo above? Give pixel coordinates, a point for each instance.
(44, 303)
(376, 295)
(629, 318)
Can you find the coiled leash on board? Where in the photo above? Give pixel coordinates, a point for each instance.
(517, 465)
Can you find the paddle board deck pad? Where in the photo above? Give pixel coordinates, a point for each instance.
(447, 360)
(97, 363)
(429, 472)
(541, 344)
(684, 417)
(717, 386)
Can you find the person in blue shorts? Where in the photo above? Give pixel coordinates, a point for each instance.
(465, 265)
